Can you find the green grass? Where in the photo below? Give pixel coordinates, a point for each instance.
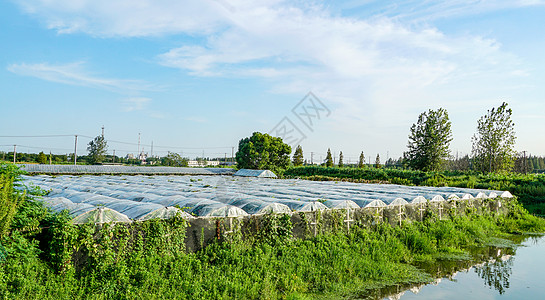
(335, 265)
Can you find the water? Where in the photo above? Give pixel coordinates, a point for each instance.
(519, 276)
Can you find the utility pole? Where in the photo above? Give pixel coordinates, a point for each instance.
(14, 153)
(232, 154)
(75, 149)
(138, 144)
(311, 158)
(49, 157)
(151, 149)
(102, 130)
(114, 156)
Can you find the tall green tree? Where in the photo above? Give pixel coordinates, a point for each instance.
(262, 151)
(429, 141)
(493, 144)
(174, 160)
(328, 159)
(42, 159)
(361, 162)
(341, 163)
(298, 156)
(97, 149)
(377, 161)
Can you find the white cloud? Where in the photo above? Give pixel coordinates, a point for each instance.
(135, 103)
(75, 74)
(376, 72)
(107, 18)
(196, 119)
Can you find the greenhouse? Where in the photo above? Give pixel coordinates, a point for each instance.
(125, 198)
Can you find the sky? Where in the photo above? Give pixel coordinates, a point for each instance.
(194, 77)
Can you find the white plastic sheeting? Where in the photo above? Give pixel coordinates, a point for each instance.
(143, 197)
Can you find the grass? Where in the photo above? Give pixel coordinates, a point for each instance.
(335, 265)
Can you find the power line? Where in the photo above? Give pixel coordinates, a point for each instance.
(35, 136)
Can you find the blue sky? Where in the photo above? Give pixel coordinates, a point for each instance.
(196, 76)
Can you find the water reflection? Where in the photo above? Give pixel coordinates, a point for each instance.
(490, 274)
(496, 274)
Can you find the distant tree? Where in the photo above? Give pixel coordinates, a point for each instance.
(262, 151)
(298, 156)
(341, 163)
(493, 144)
(523, 164)
(460, 164)
(361, 162)
(429, 141)
(97, 149)
(42, 159)
(329, 159)
(174, 160)
(377, 161)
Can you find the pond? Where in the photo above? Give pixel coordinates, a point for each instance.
(502, 276)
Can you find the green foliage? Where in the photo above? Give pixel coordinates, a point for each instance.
(298, 156)
(361, 161)
(174, 160)
(328, 159)
(341, 163)
(429, 141)
(262, 151)
(97, 149)
(493, 144)
(377, 162)
(9, 200)
(42, 159)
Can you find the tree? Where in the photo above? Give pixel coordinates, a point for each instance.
(298, 156)
(341, 163)
(42, 159)
(174, 160)
(262, 151)
(361, 162)
(429, 141)
(493, 144)
(328, 159)
(377, 161)
(97, 149)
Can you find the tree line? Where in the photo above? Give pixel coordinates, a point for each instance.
(428, 148)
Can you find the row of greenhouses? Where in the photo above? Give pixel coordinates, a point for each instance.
(124, 198)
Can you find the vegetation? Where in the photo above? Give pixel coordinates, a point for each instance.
(341, 163)
(50, 258)
(493, 144)
(174, 160)
(529, 188)
(429, 141)
(377, 161)
(42, 159)
(97, 149)
(328, 158)
(298, 156)
(361, 161)
(262, 151)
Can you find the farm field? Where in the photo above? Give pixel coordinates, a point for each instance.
(143, 197)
